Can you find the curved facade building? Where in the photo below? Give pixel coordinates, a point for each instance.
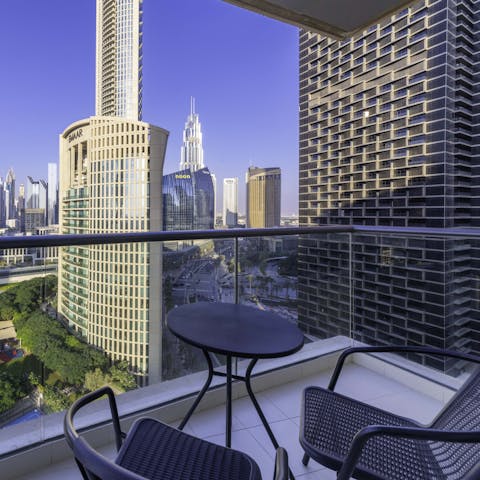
(110, 182)
(188, 200)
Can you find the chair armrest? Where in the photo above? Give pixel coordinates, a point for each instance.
(68, 427)
(281, 465)
(397, 349)
(408, 432)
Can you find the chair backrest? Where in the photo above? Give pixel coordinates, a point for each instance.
(92, 464)
(461, 413)
(95, 466)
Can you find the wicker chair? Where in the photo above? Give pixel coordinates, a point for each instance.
(152, 450)
(361, 441)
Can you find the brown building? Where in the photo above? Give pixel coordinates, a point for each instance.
(263, 197)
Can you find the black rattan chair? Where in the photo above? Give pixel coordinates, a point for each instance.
(153, 450)
(361, 441)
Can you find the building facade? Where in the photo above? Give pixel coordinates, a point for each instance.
(110, 182)
(119, 58)
(10, 195)
(230, 202)
(263, 197)
(52, 194)
(188, 200)
(389, 137)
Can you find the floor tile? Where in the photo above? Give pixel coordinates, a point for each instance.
(247, 415)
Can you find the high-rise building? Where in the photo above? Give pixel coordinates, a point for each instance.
(10, 194)
(192, 149)
(35, 204)
(119, 59)
(110, 180)
(52, 195)
(21, 207)
(263, 197)
(389, 137)
(230, 202)
(3, 210)
(214, 181)
(188, 200)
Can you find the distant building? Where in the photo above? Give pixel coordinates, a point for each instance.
(9, 189)
(36, 202)
(34, 219)
(192, 149)
(230, 202)
(263, 197)
(214, 181)
(21, 207)
(3, 210)
(188, 200)
(52, 195)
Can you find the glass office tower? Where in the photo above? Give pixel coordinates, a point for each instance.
(188, 200)
(389, 137)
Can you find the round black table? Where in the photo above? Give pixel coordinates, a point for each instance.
(234, 331)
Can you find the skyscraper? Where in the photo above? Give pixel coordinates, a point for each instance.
(230, 202)
(36, 194)
(3, 210)
(192, 149)
(52, 195)
(10, 194)
(119, 59)
(389, 137)
(188, 200)
(111, 169)
(263, 197)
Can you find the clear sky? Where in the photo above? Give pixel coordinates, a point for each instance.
(241, 67)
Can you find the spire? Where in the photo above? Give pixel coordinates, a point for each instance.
(192, 150)
(192, 105)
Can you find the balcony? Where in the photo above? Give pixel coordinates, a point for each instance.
(390, 387)
(342, 285)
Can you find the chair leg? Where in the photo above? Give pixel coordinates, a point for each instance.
(305, 459)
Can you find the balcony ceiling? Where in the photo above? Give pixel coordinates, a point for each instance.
(338, 19)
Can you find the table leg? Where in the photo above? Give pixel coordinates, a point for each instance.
(228, 419)
(248, 374)
(201, 393)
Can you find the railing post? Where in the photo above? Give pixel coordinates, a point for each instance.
(235, 259)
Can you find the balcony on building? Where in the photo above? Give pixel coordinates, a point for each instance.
(369, 278)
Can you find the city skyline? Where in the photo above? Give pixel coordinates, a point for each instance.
(243, 75)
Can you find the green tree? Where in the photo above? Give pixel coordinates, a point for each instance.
(122, 377)
(96, 379)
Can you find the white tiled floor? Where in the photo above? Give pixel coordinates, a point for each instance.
(281, 406)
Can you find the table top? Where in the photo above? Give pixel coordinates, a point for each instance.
(237, 330)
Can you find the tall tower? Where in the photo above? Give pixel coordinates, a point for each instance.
(119, 59)
(10, 194)
(263, 197)
(192, 149)
(110, 180)
(230, 202)
(52, 194)
(389, 136)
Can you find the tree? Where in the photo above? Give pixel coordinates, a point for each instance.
(122, 377)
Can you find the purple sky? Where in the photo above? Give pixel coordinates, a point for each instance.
(241, 67)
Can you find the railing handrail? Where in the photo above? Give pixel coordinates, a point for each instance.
(137, 237)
